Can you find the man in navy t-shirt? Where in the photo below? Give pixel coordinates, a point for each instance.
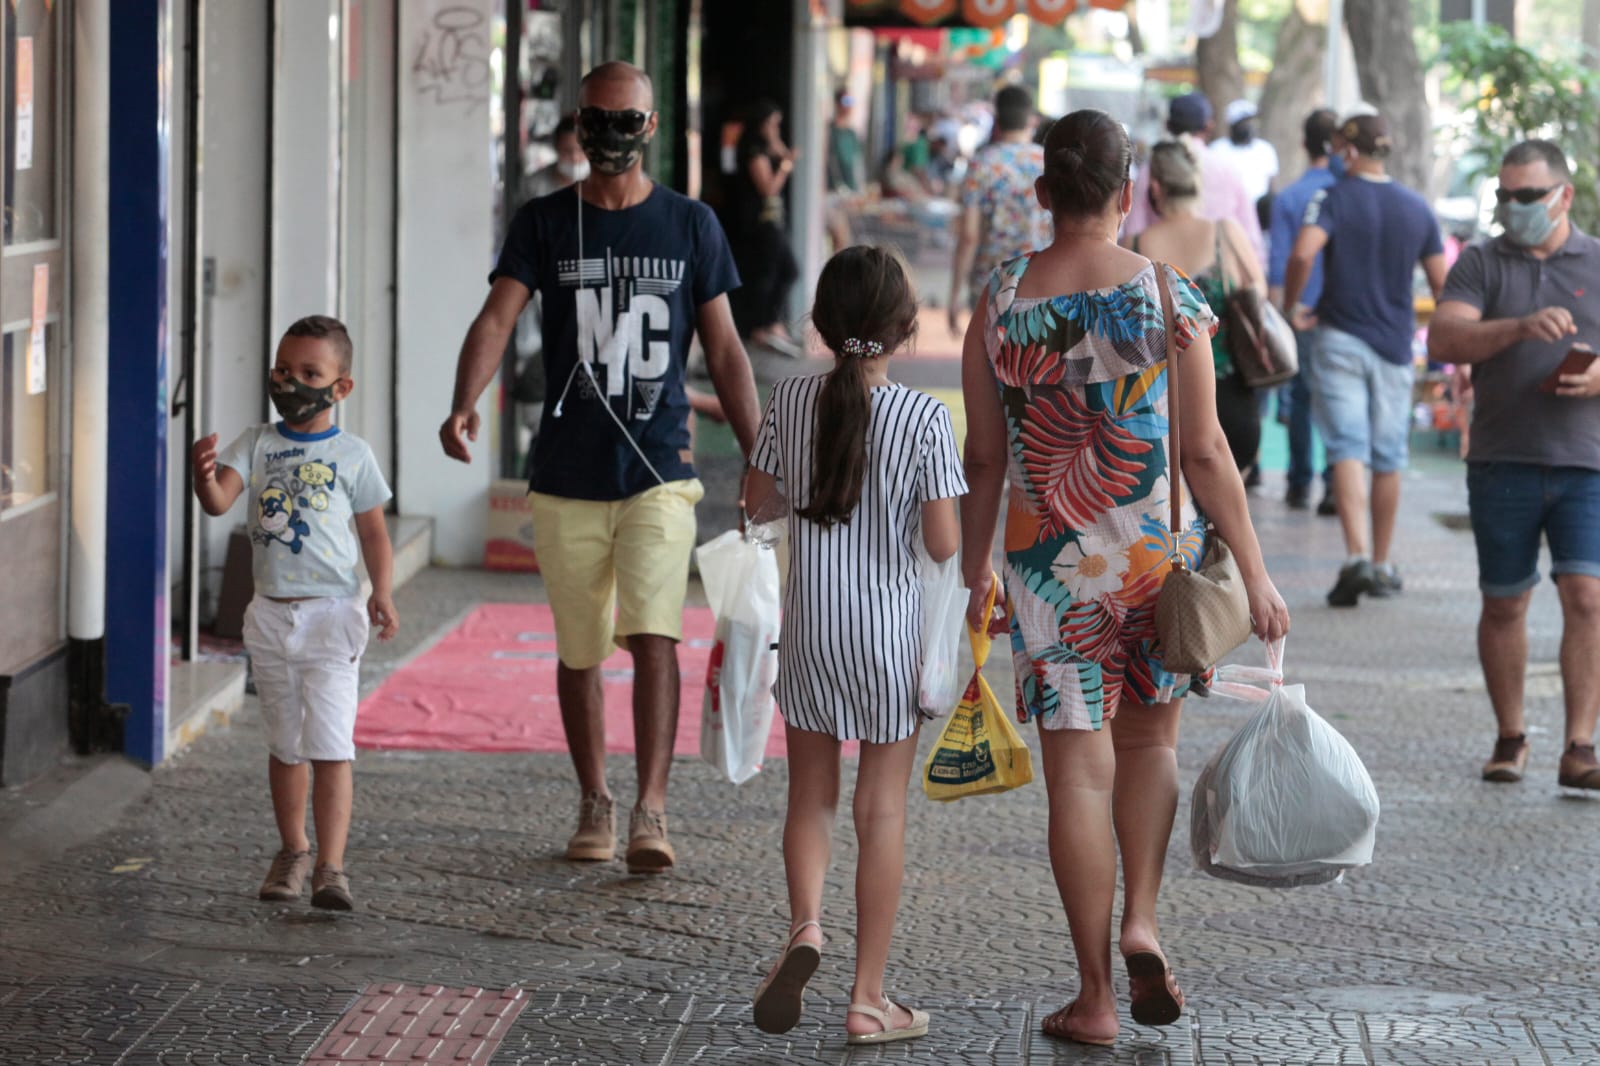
(627, 271)
(1372, 232)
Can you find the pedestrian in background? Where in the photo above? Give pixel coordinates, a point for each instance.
(1066, 402)
(570, 164)
(1223, 195)
(1000, 215)
(315, 509)
(1513, 308)
(628, 271)
(761, 236)
(1215, 256)
(1251, 156)
(1372, 232)
(1288, 211)
(845, 180)
(871, 471)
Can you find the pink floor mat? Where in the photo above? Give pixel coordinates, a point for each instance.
(490, 685)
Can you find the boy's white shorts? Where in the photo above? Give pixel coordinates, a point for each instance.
(306, 660)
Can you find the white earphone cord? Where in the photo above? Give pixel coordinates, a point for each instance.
(589, 371)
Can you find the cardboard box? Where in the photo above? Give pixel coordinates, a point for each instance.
(509, 543)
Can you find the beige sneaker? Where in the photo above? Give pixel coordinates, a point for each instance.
(1509, 761)
(330, 890)
(286, 879)
(648, 849)
(596, 838)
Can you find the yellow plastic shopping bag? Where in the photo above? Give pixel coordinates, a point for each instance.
(979, 751)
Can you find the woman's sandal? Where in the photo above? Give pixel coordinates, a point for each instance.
(1157, 999)
(1059, 1025)
(778, 996)
(882, 1015)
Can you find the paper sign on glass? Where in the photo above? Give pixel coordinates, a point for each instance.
(38, 368)
(24, 103)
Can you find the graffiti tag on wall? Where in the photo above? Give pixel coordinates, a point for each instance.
(451, 60)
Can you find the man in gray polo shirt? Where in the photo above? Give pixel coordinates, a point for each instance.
(1512, 308)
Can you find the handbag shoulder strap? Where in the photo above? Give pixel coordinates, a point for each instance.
(1221, 246)
(1174, 468)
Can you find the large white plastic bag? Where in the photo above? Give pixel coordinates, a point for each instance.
(1286, 801)
(943, 612)
(740, 574)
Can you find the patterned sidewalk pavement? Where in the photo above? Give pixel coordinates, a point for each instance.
(1469, 940)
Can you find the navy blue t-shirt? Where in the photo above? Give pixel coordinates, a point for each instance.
(1377, 233)
(625, 304)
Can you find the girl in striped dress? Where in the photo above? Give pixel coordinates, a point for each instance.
(870, 468)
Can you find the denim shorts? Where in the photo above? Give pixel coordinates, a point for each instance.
(1512, 503)
(1361, 402)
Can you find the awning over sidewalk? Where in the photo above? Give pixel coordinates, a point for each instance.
(984, 13)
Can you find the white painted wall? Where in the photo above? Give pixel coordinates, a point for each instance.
(233, 210)
(305, 161)
(445, 251)
(367, 290)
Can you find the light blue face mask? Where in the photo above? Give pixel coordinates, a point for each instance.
(1528, 225)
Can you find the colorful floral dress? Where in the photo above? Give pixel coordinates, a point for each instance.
(1083, 384)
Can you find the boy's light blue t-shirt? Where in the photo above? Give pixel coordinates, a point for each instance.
(303, 489)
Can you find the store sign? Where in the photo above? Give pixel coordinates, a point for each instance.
(983, 13)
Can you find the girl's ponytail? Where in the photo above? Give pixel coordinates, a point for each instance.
(839, 444)
(865, 308)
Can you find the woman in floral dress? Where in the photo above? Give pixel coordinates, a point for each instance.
(1066, 388)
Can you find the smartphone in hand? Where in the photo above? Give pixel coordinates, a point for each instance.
(1576, 362)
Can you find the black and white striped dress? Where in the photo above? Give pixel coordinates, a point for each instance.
(851, 647)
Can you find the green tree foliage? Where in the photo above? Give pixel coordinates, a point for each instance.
(1511, 93)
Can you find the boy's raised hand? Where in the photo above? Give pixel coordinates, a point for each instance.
(204, 457)
(381, 610)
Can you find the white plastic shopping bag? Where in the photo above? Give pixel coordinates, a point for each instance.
(1286, 801)
(944, 605)
(740, 574)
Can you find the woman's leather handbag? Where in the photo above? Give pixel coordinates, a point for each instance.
(1260, 340)
(1201, 615)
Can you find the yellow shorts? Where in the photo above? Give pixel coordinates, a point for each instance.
(615, 568)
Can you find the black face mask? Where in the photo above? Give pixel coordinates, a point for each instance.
(613, 140)
(298, 402)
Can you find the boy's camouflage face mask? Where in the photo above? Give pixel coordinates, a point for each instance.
(298, 402)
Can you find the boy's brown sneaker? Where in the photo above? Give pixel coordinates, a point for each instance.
(596, 838)
(286, 879)
(1579, 767)
(330, 890)
(648, 849)
(1510, 758)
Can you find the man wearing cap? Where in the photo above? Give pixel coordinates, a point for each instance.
(1288, 210)
(1222, 194)
(1371, 232)
(1512, 309)
(1252, 158)
(1000, 216)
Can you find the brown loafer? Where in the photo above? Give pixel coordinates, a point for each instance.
(1579, 767)
(1509, 760)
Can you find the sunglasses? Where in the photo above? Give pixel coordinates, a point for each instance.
(1523, 196)
(628, 123)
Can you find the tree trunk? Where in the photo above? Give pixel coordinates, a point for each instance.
(1217, 63)
(1293, 89)
(1591, 30)
(1391, 80)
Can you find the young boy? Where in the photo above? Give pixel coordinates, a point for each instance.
(305, 629)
